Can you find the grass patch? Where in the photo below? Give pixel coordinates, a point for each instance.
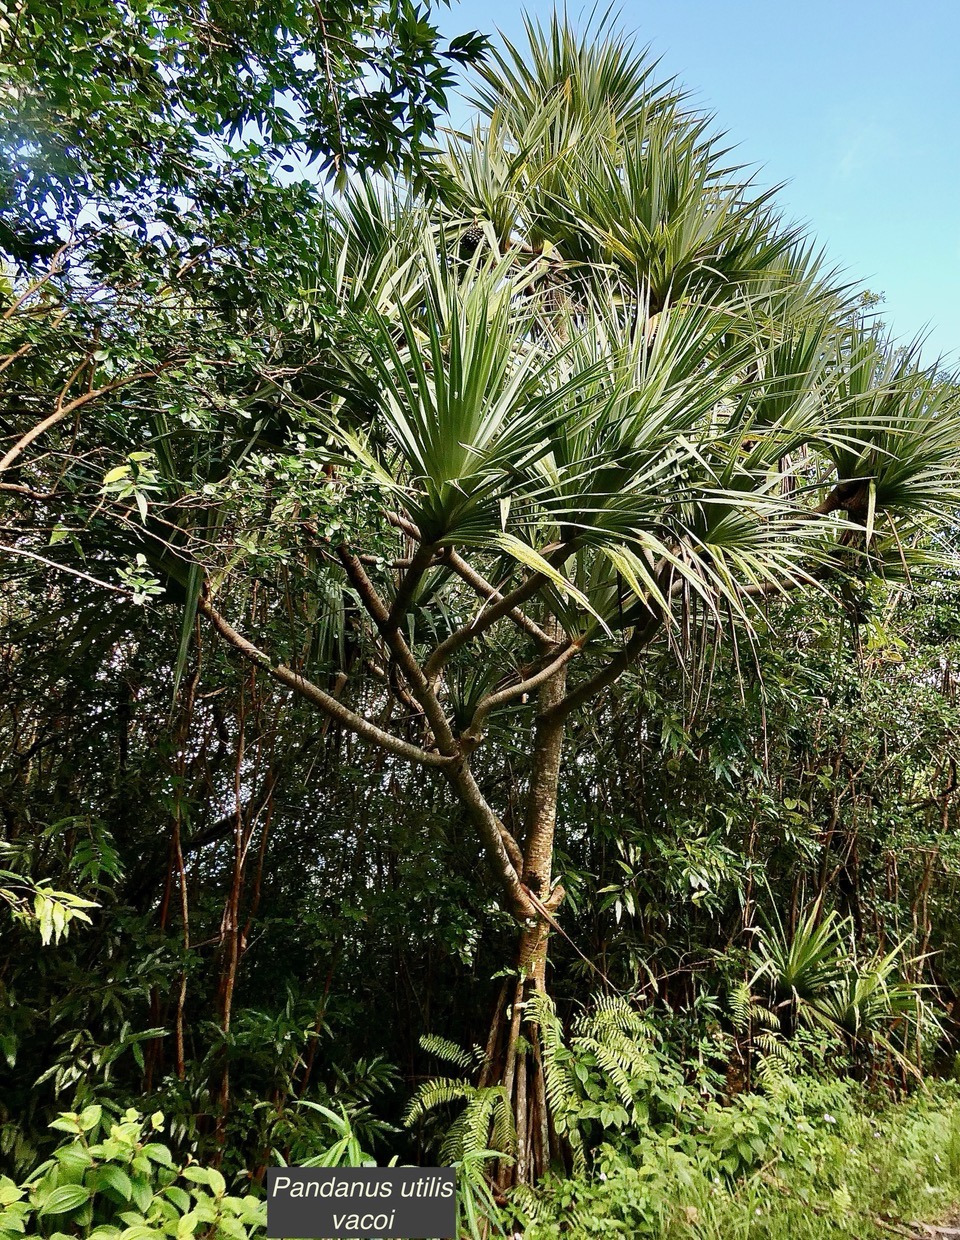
(850, 1171)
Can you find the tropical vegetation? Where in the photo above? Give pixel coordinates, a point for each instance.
(479, 646)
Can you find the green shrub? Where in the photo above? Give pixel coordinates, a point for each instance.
(112, 1180)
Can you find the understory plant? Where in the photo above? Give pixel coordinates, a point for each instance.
(842, 1169)
(113, 1179)
(870, 1004)
(482, 1136)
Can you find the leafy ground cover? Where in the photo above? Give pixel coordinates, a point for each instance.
(801, 1172)
(846, 1171)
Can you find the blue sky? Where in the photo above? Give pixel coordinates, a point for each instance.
(856, 104)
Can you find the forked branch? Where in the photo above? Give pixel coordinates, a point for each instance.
(64, 411)
(406, 661)
(490, 594)
(318, 697)
(476, 581)
(509, 694)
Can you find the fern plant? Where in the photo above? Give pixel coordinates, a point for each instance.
(747, 1012)
(484, 1132)
(610, 1076)
(486, 1121)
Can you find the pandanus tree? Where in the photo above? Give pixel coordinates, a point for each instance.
(594, 395)
(603, 398)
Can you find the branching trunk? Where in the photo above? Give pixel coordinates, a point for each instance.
(524, 873)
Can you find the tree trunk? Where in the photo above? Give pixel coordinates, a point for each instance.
(513, 1049)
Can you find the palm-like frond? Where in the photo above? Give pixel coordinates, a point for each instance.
(486, 177)
(805, 965)
(900, 455)
(636, 391)
(469, 399)
(654, 205)
(597, 76)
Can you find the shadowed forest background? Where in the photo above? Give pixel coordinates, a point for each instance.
(479, 654)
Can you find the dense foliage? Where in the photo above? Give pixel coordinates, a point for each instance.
(539, 547)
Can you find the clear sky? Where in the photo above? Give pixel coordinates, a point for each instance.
(854, 103)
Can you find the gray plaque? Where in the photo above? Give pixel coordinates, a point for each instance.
(327, 1203)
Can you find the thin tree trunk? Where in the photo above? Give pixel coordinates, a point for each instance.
(513, 1057)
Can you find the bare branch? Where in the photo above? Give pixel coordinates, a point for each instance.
(501, 847)
(641, 637)
(485, 589)
(419, 685)
(420, 562)
(487, 617)
(64, 411)
(74, 572)
(314, 694)
(28, 492)
(489, 593)
(35, 286)
(493, 700)
(12, 357)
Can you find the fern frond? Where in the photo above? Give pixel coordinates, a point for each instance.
(747, 1009)
(610, 1014)
(579, 1156)
(766, 1016)
(504, 1134)
(450, 1052)
(741, 1003)
(467, 1136)
(557, 1072)
(530, 1203)
(772, 1045)
(433, 1094)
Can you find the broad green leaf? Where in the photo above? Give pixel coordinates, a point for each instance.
(63, 1199)
(113, 1177)
(90, 1117)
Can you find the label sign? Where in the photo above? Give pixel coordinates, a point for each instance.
(327, 1203)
